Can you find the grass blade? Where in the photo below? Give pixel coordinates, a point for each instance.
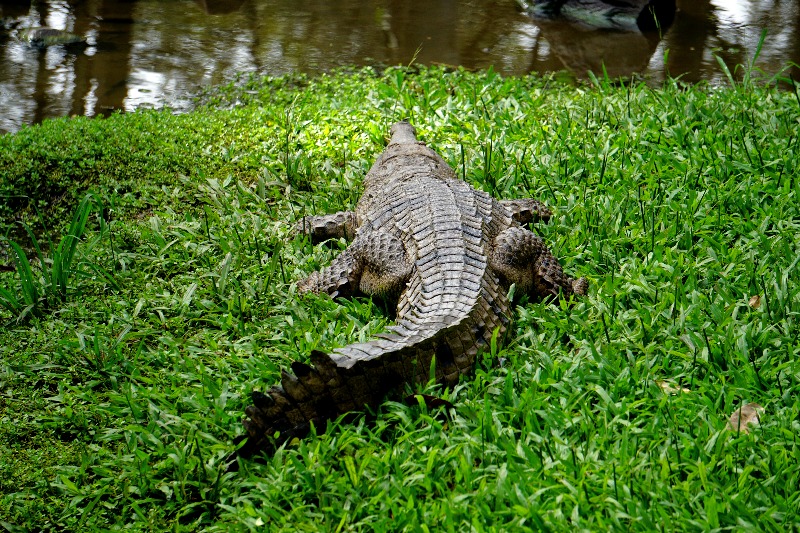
(9, 301)
(725, 70)
(30, 291)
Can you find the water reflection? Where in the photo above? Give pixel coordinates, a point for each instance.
(580, 50)
(152, 52)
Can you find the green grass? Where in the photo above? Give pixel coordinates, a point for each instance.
(119, 404)
(58, 268)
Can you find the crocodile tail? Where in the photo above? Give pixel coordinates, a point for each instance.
(356, 376)
(309, 395)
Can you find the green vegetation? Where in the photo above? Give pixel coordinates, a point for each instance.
(121, 395)
(49, 290)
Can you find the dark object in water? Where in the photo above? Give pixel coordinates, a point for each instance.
(43, 37)
(625, 15)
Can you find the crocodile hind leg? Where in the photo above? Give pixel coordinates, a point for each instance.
(522, 258)
(386, 266)
(339, 279)
(375, 264)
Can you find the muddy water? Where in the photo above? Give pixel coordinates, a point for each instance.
(160, 52)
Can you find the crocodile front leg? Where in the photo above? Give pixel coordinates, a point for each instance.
(324, 227)
(522, 258)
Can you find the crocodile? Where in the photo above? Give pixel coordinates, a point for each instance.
(445, 252)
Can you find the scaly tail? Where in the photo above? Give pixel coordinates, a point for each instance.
(312, 395)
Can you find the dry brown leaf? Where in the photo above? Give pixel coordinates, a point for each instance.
(669, 388)
(755, 301)
(745, 418)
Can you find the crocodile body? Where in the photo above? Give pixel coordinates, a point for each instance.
(445, 252)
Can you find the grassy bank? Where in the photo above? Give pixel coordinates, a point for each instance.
(121, 394)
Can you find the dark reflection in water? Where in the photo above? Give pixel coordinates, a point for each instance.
(156, 52)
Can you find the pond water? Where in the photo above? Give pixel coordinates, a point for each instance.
(161, 52)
